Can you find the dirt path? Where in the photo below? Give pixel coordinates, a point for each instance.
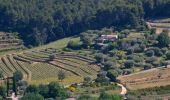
(124, 90)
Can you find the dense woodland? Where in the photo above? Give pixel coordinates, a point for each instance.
(42, 21)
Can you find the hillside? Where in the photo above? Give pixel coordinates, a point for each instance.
(37, 67)
(42, 21)
(8, 41)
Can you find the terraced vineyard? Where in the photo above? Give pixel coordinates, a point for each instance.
(160, 25)
(146, 79)
(37, 66)
(9, 41)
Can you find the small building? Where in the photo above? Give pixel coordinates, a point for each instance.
(104, 39)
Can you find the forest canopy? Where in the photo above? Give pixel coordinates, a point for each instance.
(42, 21)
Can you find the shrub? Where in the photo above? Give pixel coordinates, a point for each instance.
(156, 64)
(150, 53)
(32, 96)
(129, 64)
(108, 65)
(147, 66)
(74, 45)
(151, 59)
(163, 39)
(112, 74)
(127, 71)
(130, 51)
(168, 55)
(99, 57)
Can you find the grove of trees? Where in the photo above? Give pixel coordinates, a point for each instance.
(42, 21)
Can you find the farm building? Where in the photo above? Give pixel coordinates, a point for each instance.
(104, 39)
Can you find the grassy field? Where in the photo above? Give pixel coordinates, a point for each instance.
(146, 79)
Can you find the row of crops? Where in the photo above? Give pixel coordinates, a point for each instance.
(36, 65)
(8, 41)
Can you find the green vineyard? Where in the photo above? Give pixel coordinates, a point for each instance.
(9, 41)
(37, 67)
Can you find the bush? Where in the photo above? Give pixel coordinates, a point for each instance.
(32, 96)
(127, 71)
(129, 64)
(157, 51)
(147, 66)
(74, 45)
(99, 58)
(163, 39)
(108, 65)
(150, 53)
(168, 55)
(151, 59)
(112, 74)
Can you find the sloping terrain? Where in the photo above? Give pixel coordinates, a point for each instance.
(9, 41)
(150, 78)
(37, 66)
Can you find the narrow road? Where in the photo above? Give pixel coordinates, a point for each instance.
(124, 91)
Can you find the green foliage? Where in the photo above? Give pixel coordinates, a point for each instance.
(61, 75)
(14, 85)
(32, 96)
(168, 55)
(150, 53)
(52, 57)
(41, 21)
(112, 74)
(18, 75)
(43, 90)
(129, 64)
(74, 45)
(32, 89)
(108, 65)
(1, 74)
(2, 91)
(105, 96)
(56, 91)
(163, 39)
(87, 39)
(99, 58)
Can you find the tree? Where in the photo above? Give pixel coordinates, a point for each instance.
(87, 80)
(99, 58)
(2, 91)
(61, 75)
(32, 89)
(56, 91)
(129, 63)
(108, 65)
(112, 75)
(86, 97)
(87, 39)
(14, 85)
(116, 97)
(168, 55)
(105, 96)
(101, 78)
(32, 96)
(73, 45)
(52, 57)
(1, 74)
(43, 90)
(163, 39)
(18, 75)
